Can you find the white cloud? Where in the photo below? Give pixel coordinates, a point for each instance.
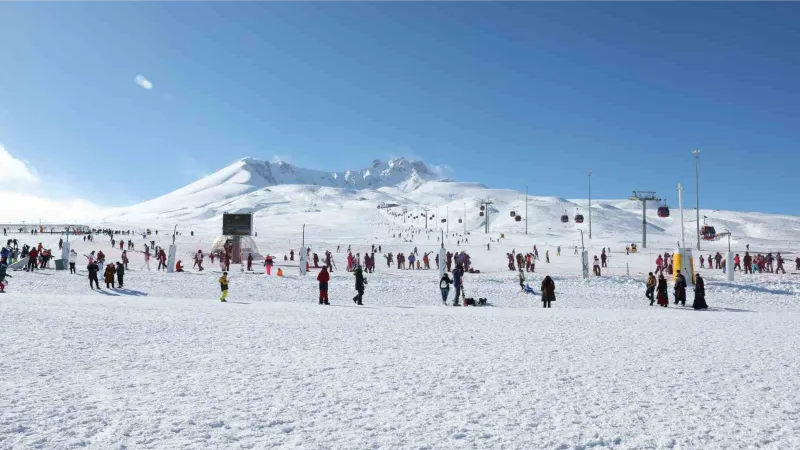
(16, 170)
(143, 82)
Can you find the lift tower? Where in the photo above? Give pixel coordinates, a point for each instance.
(644, 197)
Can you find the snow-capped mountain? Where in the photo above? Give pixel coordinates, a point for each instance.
(248, 175)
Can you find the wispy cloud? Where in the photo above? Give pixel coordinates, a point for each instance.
(142, 81)
(16, 170)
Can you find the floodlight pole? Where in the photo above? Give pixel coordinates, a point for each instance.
(526, 209)
(589, 174)
(696, 154)
(680, 206)
(174, 230)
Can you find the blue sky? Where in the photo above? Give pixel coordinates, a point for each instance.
(505, 94)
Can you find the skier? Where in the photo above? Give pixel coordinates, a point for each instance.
(109, 276)
(223, 285)
(73, 257)
(680, 289)
(360, 282)
(662, 291)
(651, 287)
(699, 293)
(120, 273)
(323, 277)
(521, 279)
(548, 291)
(444, 287)
(458, 275)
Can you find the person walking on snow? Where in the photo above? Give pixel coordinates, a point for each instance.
(779, 261)
(702, 260)
(223, 285)
(521, 280)
(3, 275)
(548, 291)
(651, 287)
(249, 262)
(444, 287)
(547, 256)
(268, 262)
(323, 277)
(603, 258)
(680, 289)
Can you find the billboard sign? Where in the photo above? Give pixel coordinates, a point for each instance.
(237, 224)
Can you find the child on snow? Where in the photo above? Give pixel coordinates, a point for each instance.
(223, 285)
(444, 287)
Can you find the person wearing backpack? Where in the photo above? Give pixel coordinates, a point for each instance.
(444, 286)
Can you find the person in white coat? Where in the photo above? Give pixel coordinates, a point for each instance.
(73, 258)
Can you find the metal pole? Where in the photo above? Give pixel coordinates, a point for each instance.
(448, 219)
(680, 206)
(174, 230)
(696, 154)
(590, 203)
(303, 244)
(526, 209)
(465, 219)
(644, 223)
(442, 239)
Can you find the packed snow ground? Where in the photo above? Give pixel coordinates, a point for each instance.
(162, 364)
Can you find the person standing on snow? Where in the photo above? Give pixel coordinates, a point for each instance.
(323, 277)
(249, 262)
(458, 280)
(73, 258)
(603, 258)
(444, 287)
(521, 279)
(651, 287)
(223, 285)
(663, 300)
(737, 262)
(268, 262)
(702, 262)
(779, 261)
(109, 276)
(120, 273)
(547, 256)
(548, 291)
(360, 282)
(699, 293)
(93, 269)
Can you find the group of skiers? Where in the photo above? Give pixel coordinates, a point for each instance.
(657, 290)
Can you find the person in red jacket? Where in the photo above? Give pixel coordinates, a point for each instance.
(32, 257)
(323, 279)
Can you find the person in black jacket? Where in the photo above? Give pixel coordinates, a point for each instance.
(120, 273)
(359, 274)
(93, 268)
(699, 293)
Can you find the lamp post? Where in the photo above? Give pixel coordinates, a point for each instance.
(589, 175)
(696, 154)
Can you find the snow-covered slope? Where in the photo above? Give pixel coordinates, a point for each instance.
(282, 195)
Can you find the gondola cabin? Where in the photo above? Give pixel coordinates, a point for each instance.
(513, 214)
(579, 218)
(564, 218)
(481, 213)
(708, 232)
(663, 211)
(459, 220)
(518, 218)
(444, 220)
(482, 207)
